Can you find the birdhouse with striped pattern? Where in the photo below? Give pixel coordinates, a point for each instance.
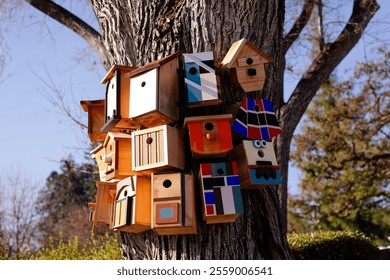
(221, 193)
(258, 167)
(132, 205)
(173, 203)
(210, 136)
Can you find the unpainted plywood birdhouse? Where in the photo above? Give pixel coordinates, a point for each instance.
(132, 205)
(257, 166)
(201, 79)
(154, 92)
(210, 136)
(173, 203)
(103, 207)
(221, 193)
(245, 63)
(158, 148)
(117, 100)
(113, 157)
(95, 110)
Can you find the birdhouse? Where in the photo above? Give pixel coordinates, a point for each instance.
(95, 110)
(117, 105)
(103, 207)
(257, 166)
(256, 119)
(113, 157)
(158, 148)
(132, 206)
(154, 90)
(210, 136)
(201, 79)
(173, 204)
(221, 193)
(245, 63)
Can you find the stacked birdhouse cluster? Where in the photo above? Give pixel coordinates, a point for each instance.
(141, 155)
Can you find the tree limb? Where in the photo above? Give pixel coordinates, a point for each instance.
(71, 21)
(298, 25)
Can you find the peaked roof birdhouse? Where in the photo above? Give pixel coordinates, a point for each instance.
(95, 110)
(117, 99)
(245, 63)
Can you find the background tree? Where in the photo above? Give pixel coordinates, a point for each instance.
(343, 152)
(136, 32)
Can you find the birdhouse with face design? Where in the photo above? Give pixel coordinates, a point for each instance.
(245, 63)
(113, 157)
(173, 203)
(154, 92)
(132, 205)
(158, 148)
(95, 110)
(220, 191)
(201, 79)
(117, 100)
(103, 207)
(258, 167)
(210, 136)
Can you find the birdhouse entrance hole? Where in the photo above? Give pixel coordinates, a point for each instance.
(167, 184)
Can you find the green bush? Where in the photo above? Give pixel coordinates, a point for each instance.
(332, 245)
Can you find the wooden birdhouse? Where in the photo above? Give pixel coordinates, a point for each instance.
(257, 166)
(221, 193)
(201, 79)
(117, 105)
(154, 89)
(173, 204)
(158, 148)
(210, 136)
(95, 110)
(113, 157)
(245, 63)
(103, 207)
(132, 206)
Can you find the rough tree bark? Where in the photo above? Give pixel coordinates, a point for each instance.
(137, 32)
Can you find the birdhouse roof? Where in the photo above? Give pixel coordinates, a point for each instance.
(123, 68)
(115, 135)
(207, 118)
(242, 46)
(85, 104)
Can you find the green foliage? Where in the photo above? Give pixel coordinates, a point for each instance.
(339, 245)
(343, 152)
(102, 247)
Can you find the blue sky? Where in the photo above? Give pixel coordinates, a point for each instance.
(35, 135)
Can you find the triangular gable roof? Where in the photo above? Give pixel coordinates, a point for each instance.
(235, 49)
(115, 134)
(110, 72)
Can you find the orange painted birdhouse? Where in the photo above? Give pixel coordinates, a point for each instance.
(117, 100)
(173, 204)
(257, 164)
(103, 207)
(158, 148)
(245, 63)
(210, 136)
(154, 92)
(95, 110)
(132, 205)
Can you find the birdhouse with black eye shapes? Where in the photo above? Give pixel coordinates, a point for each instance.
(103, 207)
(220, 191)
(245, 63)
(201, 79)
(154, 92)
(210, 136)
(117, 100)
(132, 205)
(95, 110)
(113, 157)
(258, 167)
(158, 148)
(173, 203)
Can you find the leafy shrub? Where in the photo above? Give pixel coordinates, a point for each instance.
(332, 245)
